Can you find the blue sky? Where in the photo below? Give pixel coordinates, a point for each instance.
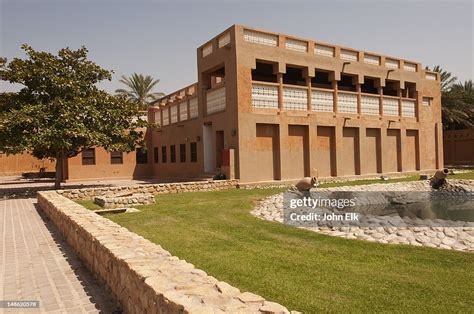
(159, 38)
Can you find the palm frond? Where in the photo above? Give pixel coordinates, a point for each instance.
(139, 89)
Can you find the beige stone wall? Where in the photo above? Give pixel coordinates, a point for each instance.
(161, 188)
(17, 164)
(143, 276)
(459, 147)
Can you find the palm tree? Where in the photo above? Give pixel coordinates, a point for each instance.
(447, 79)
(467, 87)
(458, 106)
(457, 109)
(139, 89)
(456, 101)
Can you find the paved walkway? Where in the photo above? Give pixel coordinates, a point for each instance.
(37, 264)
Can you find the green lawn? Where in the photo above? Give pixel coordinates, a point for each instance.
(463, 175)
(369, 181)
(89, 204)
(300, 269)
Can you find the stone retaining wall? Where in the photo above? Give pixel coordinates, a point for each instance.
(144, 277)
(115, 201)
(161, 188)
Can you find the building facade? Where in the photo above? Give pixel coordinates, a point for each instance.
(13, 165)
(91, 164)
(99, 164)
(271, 107)
(268, 106)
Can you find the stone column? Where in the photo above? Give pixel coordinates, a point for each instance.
(279, 69)
(338, 135)
(400, 95)
(359, 99)
(309, 74)
(401, 159)
(334, 86)
(359, 157)
(383, 148)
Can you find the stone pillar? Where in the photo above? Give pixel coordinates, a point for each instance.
(280, 91)
(418, 103)
(380, 83)
(308, 74)
(401, 160)
(358, 146)
(359, 99)
(338, 135)
(399, 94)
(383, 148)
(334, 86)
(285, 162)
(312, 146)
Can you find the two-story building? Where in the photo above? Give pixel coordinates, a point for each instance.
(269, 106)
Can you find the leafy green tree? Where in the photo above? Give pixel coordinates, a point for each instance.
(139, 89)
(59, 111)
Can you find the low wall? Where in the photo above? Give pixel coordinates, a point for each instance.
(142, 276)
(161, 188)
(458, 147)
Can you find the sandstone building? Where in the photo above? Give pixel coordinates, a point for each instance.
(269, 106)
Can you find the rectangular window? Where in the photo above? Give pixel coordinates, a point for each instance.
(174, 113)
(155, 155)
(158, 117)
(194, 152)
(183, 111)
(88, 156)
(173, 153)
(193, 108)
(163, 154)
(427, 101)
(182, 152)
(142, 155)
(165, 116)
(116, 158)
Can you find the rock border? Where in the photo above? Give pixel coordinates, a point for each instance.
(159, 188)
(451, 235)
(141, 275)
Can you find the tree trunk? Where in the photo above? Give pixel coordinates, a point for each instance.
(59, 173)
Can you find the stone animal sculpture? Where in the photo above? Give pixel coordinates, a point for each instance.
(439, 178)
(306, 184)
